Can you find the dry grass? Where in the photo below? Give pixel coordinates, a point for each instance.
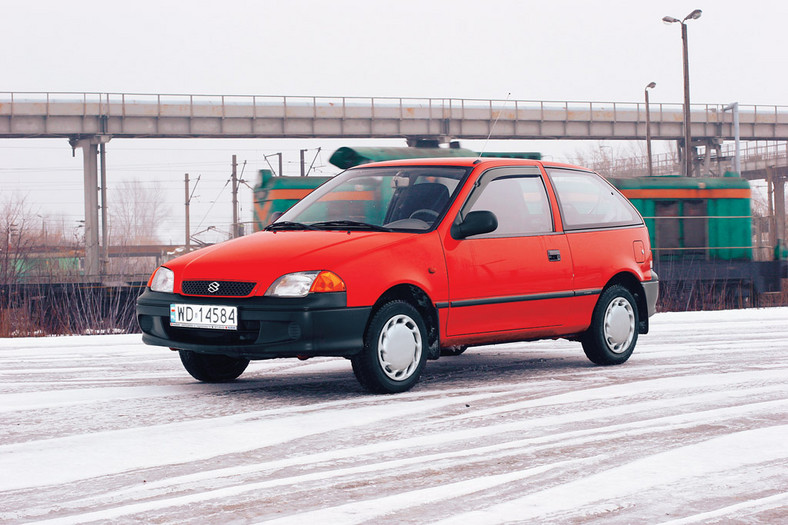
(68, 309)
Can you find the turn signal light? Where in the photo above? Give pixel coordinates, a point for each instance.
(327, 282)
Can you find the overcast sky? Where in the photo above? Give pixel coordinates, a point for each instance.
(534, 50)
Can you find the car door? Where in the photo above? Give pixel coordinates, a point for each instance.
(516, 277)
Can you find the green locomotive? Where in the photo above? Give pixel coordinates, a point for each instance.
(701, 228)
(702, 238)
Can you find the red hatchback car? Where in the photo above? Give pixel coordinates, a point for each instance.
(394, 263)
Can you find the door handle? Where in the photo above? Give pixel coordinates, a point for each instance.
(553, 255)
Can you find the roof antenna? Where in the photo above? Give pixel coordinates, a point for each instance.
(492, 128)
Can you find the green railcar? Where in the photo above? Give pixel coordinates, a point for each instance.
(346, 157)
(700, 228)
(698, 218)
(275, 195)
(702, 240)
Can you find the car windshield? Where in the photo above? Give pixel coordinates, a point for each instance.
(380, 199)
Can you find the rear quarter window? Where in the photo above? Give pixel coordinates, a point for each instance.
(587, 201)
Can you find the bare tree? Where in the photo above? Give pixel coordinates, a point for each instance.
(13, 223)
(41, 288)
(136, 211)
(602, 158)
(626, 159)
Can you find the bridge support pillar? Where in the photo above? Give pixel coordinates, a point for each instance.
(779, 208)
(89, 146)
(775, 179)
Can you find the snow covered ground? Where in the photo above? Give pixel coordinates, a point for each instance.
(693, 429)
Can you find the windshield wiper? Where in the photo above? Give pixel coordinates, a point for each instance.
(287, 225)
(356, 225)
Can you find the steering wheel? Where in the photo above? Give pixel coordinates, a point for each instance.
(425, 214)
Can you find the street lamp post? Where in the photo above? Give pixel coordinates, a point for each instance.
(651, 85)
(687, 135)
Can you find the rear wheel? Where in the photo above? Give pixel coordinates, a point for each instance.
(211, 368)
(394, 351)
(613, 333)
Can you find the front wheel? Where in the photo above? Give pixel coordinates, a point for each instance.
(394, 351)
(613, 333)
(211, 368)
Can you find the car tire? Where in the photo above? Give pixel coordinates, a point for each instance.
(613, 333)
(395, 350)
(212, 368)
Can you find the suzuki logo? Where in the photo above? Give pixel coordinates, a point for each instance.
(213, 287)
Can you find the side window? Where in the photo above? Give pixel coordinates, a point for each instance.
(518, 201)
(588, 201)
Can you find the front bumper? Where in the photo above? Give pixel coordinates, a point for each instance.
(268, 327)
(651, 289)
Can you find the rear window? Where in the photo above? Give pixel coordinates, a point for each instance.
(588, 201)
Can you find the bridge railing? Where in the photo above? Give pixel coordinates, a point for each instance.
(775, 153)
(246, 106)
(754, 154)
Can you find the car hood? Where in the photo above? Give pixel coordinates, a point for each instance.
(265, 256)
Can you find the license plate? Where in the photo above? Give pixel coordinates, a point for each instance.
(204, 316)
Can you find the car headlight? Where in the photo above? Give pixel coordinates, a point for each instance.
(299, 284)
(163, 280)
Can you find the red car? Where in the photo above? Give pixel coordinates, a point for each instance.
(389, 264)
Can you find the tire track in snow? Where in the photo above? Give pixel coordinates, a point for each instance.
(728, 452)
(533, 446)
(733, 511)
(585, 427)
(40, 463)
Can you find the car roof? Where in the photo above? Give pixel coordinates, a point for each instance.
(473, 162)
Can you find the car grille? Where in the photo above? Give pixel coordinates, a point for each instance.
(217, 288)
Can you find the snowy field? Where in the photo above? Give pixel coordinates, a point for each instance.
(693, 429)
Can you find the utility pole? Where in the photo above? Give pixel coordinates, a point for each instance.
(313, 162)
(687, 114)
(276, 173)
(234, 229)
(651, 85)
(685, 59)
(188, 198)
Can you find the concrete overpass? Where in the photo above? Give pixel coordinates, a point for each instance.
(90, 120)
(79, 115)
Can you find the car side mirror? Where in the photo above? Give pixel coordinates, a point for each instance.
(475, 223)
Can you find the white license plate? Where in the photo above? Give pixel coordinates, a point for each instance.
(204, 316)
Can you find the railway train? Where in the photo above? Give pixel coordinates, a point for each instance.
(701, 228)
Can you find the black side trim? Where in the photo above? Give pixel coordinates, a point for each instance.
(602, 227)
(590, 291)
(522, 298)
